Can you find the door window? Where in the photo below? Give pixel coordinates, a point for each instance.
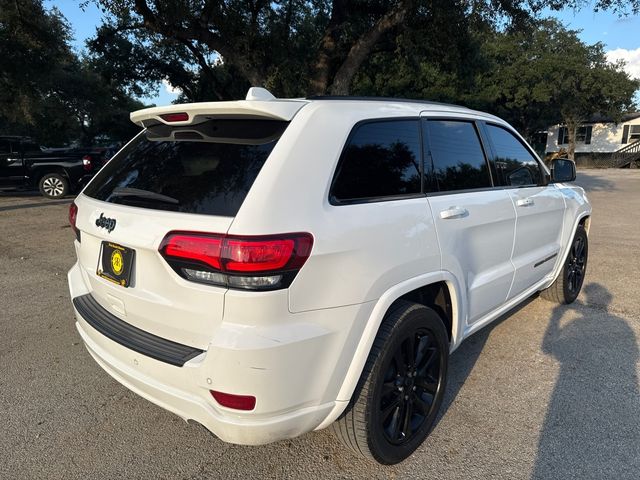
(5, 146)
(381, 159)
(454, 156)
(515, 165)
(30, 147)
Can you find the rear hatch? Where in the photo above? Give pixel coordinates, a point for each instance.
(190, 176)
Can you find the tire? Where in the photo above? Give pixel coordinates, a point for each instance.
(566, 288)
(53, 185)
(387, 389)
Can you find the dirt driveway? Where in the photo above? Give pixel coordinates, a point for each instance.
(547, 392)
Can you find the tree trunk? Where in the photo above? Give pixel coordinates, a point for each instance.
(572, 126)
(319, 83)
(363, 46)
(201, 34)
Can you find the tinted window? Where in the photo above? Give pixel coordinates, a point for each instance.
(30, 147)
(381, 159)
(5, 146)
(206, 168)
(515, 165)
(455, 156)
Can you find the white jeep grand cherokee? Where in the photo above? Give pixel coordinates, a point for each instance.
(270, 267)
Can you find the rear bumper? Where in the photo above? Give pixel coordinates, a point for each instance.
(294, 372)
(191, 404)
(131, 337)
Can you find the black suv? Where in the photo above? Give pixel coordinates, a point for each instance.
(55, 172)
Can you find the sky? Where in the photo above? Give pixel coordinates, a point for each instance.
(84, 21)
(619, 35)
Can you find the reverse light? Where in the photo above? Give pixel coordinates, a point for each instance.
(73, 216)
(203, 276)
(237, 402)
(249, 263)
(175, 117)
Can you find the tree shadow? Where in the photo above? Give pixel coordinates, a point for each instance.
(592, 182)
(592, 426)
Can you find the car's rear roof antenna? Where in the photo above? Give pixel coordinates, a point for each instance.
(259, 93)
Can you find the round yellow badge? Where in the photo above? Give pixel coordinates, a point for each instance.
(116, 262)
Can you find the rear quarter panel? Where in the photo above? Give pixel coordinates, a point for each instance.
(360, 250)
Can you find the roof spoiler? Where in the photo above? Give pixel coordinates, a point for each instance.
(259, 104)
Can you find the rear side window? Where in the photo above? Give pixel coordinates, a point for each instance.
(515, 165)
(381, 159)
(206, 168)
(454, 156)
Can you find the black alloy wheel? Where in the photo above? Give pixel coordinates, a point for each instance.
(401, 388)
(566, 287)
(411, 385)
(576, 265)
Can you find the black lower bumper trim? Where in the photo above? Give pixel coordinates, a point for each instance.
(131, 337)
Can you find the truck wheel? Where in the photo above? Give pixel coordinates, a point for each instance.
(401, 388)
(53, 185)
(567, 286)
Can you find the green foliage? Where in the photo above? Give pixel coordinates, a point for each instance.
(214, 49)
(487, 54)
(46, 91)
(434, 56)
(545, 75)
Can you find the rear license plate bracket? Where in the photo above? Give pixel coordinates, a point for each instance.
(115, 263)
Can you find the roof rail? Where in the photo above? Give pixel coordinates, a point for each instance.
(382, 99)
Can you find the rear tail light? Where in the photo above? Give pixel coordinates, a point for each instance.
(249, 263)
(73, 216)
(86, 163)
(237, 402)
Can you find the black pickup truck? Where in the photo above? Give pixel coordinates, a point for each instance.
(55, 172)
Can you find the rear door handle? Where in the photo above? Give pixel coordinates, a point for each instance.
(453, 212)
(525, 202)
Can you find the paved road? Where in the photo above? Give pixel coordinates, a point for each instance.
(547, 392)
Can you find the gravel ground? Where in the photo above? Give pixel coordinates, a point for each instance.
(545, 392)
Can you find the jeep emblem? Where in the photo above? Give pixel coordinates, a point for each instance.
(106, 222)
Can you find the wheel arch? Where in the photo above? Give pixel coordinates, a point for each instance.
(42, 171)
(584, 220)
(420, 289)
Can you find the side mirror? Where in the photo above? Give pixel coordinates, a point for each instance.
(563, 170)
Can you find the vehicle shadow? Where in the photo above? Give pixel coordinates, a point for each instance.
(19, 193)
(463, 360)
(44, 203)
(33, 197)
(592, 426)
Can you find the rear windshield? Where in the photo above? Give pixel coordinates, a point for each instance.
(207, 168)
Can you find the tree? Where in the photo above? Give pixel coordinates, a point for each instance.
(34, 48)
(292, 47)
(46, 91)
(546, 75)
(433, 57)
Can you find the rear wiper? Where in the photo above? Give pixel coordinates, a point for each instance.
(137, 192)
